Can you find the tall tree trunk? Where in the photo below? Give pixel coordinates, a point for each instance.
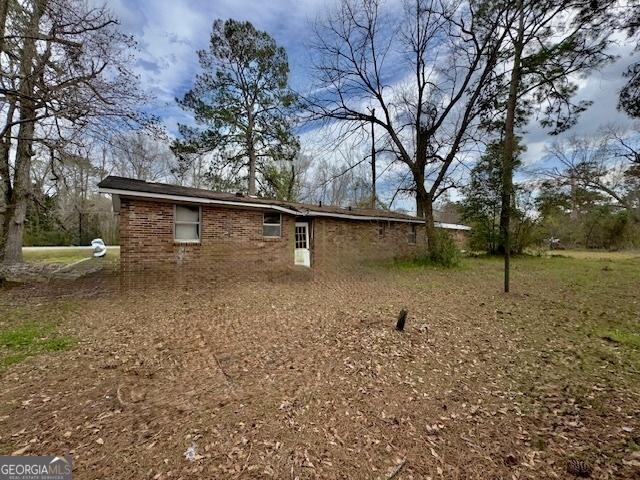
(509, 146)
(424, 209)
(4, 13)
(5, 170)
(252, 170)
(430, 224)
(80, 232)
(15, 215)
(373, 159)
(424, 197)
(251, 149)
(292, 184)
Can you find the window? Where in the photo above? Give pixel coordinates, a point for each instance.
(187, 224)
(271, 225)
(301, 236)
(412, 236)
(381, 229)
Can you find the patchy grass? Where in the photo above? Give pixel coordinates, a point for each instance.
(309, 379)
(56, 255)
(65, 256)
(626, 338)
(595, 254)
(31, 330)
(416, 263)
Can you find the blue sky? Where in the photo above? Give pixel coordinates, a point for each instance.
(170, 32)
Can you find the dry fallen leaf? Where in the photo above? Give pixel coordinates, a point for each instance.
(21, 451)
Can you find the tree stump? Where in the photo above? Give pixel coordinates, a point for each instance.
(402, 318)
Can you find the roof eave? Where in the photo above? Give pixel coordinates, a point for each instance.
(452, 226)
(315, 213)
(199, 200)
(232, 203)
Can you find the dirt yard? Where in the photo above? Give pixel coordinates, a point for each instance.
(308, 378)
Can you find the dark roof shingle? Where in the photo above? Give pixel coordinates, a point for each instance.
(132, 185)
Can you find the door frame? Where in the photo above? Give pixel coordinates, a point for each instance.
(307, 226)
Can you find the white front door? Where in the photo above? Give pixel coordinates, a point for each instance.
(302, 252)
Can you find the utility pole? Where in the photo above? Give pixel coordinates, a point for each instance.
(373, 159)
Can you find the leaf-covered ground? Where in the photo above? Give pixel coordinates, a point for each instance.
(308, 379)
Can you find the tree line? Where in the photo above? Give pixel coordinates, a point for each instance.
(586, 194)
(66, 80)
(411, 98)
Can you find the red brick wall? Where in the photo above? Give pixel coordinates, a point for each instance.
(461, 237)
(231, 240)
(338, 243)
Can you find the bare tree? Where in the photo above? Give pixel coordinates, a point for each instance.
(423, 70)
(64, 190)
(139, 155)
(65, 76)
(606, 163)
(189, 170)
(343, 180)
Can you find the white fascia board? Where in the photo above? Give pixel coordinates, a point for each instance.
(452, 226)
(312, 213)
(116, 203)
(200, 200)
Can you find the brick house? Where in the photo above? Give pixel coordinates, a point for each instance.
(168, 226)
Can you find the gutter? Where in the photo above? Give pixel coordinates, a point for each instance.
(452, 226)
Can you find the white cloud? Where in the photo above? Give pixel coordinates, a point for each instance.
(171, 31)
(602, 88)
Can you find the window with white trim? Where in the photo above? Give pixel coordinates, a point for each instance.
(272, 225)
(413, 234)
(187, 224)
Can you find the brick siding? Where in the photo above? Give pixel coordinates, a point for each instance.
(232, 242)
(230, 239)
(341, 243)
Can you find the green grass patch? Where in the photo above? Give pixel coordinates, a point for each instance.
(67, 255)
(413, 263)
(622, 337)
(33, 337)
(416, 264)
(574, 302)
(596, 254)
(8, 360)
(32, 330)
(56, 255)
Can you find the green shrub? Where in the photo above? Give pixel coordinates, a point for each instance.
(40, 238)
(445, 252)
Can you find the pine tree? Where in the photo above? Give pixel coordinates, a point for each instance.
(241, 103)
(550, 44)
(481, 204)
